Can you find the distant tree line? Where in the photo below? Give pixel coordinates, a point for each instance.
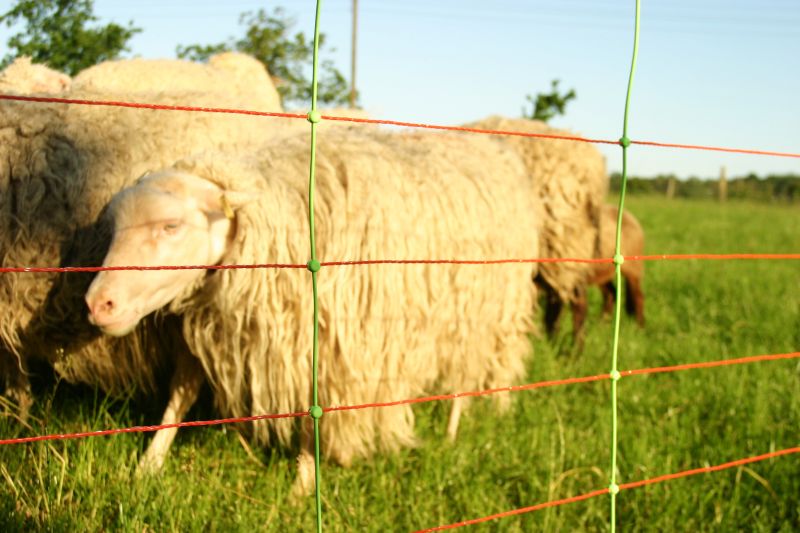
(784, 188)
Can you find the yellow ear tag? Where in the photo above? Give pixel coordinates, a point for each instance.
(226, 206)
(143, 176)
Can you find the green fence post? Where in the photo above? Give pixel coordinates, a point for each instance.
(313, 266)
(624, 142)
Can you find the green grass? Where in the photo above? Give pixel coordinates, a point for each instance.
(551, 444)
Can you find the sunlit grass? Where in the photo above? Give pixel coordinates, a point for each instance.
(551, 444)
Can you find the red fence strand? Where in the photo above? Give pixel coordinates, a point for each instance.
(157, 107)
(712, 364)
(146, 429)
(623, 486)
(715, 257)
(532, 508)
(471, 130)
(8, 270)
(660, 257)
(716, 149)
(303, 266)
(515, 388)
(709, 469)
(162, 107)
(465, 261)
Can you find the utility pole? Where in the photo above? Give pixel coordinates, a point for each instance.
(723, 184)
(353, 57)
(671, 185)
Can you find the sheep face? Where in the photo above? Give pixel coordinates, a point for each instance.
(165, 219)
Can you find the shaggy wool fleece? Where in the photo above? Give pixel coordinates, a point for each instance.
(571, 181)
(387, 332)
(60, 164)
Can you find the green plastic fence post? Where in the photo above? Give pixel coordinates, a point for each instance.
(313, 266)
(624, 142)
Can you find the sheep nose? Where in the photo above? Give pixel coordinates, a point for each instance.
(102, 307)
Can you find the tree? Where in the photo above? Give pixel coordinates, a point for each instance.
(288, 57)
(56, 33)
(548, 105)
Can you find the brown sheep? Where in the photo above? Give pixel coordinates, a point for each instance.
(632, 271)
(602, 274)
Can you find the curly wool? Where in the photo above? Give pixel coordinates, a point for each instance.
(571, 182)
(387, 332)
(60, 164)
(24, 77)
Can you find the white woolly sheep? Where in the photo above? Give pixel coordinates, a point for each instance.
(387, 332)
(59, 165)
(570, 180)
(24, 77)
(228, 75)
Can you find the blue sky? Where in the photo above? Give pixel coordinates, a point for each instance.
(720, 72)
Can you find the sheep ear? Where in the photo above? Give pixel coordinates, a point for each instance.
(228, 202)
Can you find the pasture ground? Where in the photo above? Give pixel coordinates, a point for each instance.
(552, 443)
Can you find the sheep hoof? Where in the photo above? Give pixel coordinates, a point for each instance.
(455, 417)
(304, 483)
(23, 399)
(150, 464)
(452, 435)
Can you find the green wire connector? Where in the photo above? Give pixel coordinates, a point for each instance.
(314, 116)
(619, 259)
(313, 265)
(315, 412)
(624, 141)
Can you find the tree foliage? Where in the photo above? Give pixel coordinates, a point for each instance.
(268, 38)
(57, 32)
(548, 105)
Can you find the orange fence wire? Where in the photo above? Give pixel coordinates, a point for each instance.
(410, 401)
(163, 107)
(367, 262)
(622, 486)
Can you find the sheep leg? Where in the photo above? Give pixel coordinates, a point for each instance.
(305, 482)
(455, 417)
(634, 299)
(18, 387)
(184, 387)
(552, 311)
(609, 297)
(579, 309)
(21, 395)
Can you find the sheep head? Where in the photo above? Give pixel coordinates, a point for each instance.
(166, 218)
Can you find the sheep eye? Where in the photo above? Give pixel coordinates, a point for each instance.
(171, 227)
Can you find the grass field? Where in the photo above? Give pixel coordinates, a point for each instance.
(553, 443)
